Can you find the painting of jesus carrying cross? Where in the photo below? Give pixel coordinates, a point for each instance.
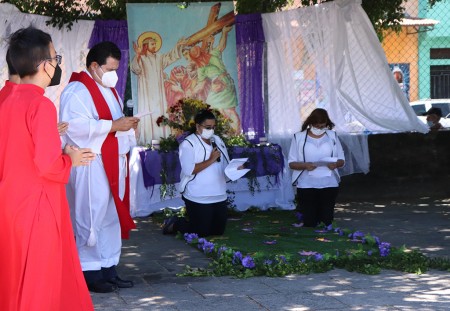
(182, 53)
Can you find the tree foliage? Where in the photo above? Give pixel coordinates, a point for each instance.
(384, 14)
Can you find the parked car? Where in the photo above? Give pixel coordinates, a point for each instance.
(420, 107)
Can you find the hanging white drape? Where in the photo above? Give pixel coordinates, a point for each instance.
(71, 45)
(329, 56)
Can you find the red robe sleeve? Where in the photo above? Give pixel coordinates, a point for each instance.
(50, 163)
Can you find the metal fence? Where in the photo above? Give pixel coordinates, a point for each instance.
(419, 55)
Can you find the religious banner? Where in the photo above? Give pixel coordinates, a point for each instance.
(178, 53)
(401, 75)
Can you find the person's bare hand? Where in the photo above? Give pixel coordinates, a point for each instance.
(79, 156)
(227, 29)
(339, 163)
(309, 166)
(182, 42)
(62, 128)
(332, 166)
(124, 124)
(215, 154)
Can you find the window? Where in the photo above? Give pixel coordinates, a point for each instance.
(440, 53)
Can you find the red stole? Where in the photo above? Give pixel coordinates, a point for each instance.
(110, 153)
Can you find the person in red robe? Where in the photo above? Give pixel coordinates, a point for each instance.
(39, 264)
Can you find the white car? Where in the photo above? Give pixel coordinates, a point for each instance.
(420, 107)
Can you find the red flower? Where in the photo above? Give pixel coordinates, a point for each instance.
(159, 120)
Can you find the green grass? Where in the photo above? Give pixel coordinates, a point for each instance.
(253, 231)
(277, 247)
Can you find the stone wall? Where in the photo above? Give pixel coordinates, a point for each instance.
(402, 166)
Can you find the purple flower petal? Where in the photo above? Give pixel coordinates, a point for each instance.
(270, 242)
(248, 262)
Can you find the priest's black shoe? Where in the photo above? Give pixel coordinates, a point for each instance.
(102, 287)
(120, 283)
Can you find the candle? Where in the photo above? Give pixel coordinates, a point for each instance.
(155, 144)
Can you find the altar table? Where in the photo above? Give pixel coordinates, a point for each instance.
(149, 168)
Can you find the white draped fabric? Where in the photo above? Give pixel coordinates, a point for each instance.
(71, 45)
(328, 56)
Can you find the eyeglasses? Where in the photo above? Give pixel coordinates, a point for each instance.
(58, 59)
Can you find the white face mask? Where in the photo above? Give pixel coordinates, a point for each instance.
(110, 78)
(207, 134)
(317, 131)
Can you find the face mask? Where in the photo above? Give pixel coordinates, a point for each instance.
(110, 78)
(207, 134)
(56, 76)
(317, 131)
(430, 123)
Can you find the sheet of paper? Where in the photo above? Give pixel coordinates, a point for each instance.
(325, 161)
(320, 171)
(232, 170)
(125, 133)
(142, 114)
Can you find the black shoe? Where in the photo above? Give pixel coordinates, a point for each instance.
(167, 227)
(120, 283)
(102, 287)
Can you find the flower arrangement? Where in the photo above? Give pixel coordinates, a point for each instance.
(369, 257)
(181, 116)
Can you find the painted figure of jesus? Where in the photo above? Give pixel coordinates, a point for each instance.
(148, 65)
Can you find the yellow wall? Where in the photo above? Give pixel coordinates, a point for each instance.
(403, 48)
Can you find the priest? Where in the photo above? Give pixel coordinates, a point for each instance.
(97, 194)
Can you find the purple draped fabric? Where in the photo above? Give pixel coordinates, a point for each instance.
(115, 31)
(262, 161)
(250, 47)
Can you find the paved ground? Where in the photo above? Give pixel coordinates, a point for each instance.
(152, 260)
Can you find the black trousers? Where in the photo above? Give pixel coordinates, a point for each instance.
(204, 219)
(92, 276)
(317, 205)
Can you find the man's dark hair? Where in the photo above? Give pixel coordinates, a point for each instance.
(28, 47)
(101, 51)
(11, 69)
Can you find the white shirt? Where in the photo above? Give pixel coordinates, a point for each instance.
(209, 185)
(315, 149)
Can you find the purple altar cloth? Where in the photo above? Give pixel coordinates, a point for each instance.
(262, 160)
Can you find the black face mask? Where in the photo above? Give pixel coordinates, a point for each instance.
(56, 76)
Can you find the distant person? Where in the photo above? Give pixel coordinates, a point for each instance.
(314, 156)
(434, 115)
(39, 264)
(203, 158)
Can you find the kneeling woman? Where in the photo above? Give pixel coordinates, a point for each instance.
(203, 158)
(317, 179)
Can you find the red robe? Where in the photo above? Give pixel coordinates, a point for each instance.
(39, 264)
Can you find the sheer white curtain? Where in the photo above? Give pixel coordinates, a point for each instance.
(71, 45)
(329, 56)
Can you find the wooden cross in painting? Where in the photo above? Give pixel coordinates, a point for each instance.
(213, 26)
